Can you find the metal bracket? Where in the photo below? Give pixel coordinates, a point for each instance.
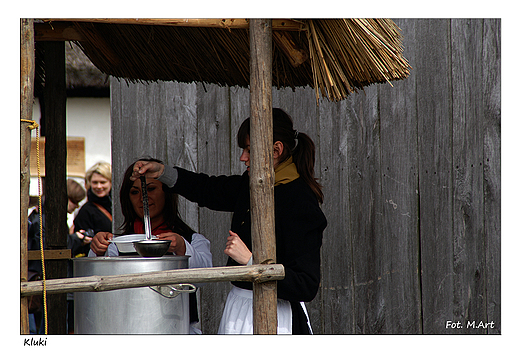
(171, 291)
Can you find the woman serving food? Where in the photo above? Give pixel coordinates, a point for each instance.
(299, 222)
(166, 224)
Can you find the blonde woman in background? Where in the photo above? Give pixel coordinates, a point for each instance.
(96, 214)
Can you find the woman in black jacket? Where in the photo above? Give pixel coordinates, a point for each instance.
(96, 213)
(299, 222)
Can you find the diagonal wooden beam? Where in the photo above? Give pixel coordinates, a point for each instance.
(292, 51)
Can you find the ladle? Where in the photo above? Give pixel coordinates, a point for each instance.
(149, 247)
(146, 210)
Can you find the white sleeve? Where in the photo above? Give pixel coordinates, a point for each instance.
(199, 252)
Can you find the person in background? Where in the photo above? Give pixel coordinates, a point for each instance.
(76, 240)
(75, 194)
(299, 222)
(96, 214)
(35, 267)
(166, 224)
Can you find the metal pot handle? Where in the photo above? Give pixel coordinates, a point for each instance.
(171, 291)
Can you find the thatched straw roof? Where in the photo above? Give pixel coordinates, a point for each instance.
(335, 56)
(83, 78)
(81, 72)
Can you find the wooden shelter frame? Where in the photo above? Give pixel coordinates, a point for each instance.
(261, 183)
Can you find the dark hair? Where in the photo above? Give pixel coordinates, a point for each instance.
(296, 144)
(171, 211)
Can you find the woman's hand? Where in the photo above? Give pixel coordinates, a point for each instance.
(177, 246)
(85, 240)
(100, 243)
(150, 169)
(236, 249)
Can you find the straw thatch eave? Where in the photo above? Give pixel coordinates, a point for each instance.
(185, 54)
(83, 78)
(334, 56)
(82, 74)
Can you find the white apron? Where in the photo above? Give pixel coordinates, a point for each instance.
(237, 317)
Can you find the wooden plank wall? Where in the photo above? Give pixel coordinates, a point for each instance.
(411, 178)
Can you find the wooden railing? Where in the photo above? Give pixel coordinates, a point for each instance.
(258, 273)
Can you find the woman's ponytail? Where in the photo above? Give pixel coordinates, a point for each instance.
(303, 156)
(296, 144)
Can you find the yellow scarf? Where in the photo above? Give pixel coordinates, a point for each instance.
(285, 172)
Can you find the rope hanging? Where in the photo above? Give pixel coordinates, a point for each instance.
(34, 125)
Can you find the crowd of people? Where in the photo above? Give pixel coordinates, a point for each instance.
(299, 221)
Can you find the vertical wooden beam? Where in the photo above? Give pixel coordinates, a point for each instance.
(55, 208)
(262, 172)
(26, 106)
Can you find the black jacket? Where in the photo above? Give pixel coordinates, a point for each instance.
(91, 217)
(299, 226)
(33, 238)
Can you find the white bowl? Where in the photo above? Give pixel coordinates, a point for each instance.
(125, 243)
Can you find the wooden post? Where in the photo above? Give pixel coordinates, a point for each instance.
(55, 208)
(26, 106)
(262, 172)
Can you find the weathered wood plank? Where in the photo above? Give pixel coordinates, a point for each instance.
(123, 112)
(399, 246)
(148, 120)
(432, 72)
(213, 140)
(468, 206)
(239, 102)
(116, 128)
(364, 183)
(336, 295)
(180, 117)
(491, 112)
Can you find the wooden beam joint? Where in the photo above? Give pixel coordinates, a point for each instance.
(293, 52)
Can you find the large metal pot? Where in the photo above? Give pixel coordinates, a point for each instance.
(146, 310)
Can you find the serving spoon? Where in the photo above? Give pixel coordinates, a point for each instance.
(146, 210)
(149, 247)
